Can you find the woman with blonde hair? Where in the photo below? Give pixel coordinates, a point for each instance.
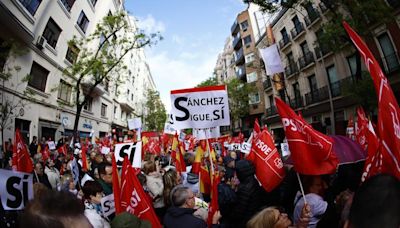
(274, 217)
(171, 179)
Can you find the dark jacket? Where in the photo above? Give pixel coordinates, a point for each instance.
(42, 179)
(177, 217)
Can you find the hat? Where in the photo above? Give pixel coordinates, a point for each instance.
(126, 220)
(228, 159)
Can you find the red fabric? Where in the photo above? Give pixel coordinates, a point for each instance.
(311, 151)
(256, 128)
(362, 128)
(214, 199)
(205, 180)
(177, 155)
(45, 153)
(133, 197)
(154, 146)
(373, 163)
(84, 158)
(267, 161)
(116, 187)
(388, 108)
(62, 149)
(21, 161)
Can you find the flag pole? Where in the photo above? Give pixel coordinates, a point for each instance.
(301, 188)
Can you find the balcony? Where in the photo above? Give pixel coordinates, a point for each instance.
(313, 15)
(284, 42)
(322, 49)
(306, 59)
(318, 95)
(126, 104)
(390, 63)
(87, 85)
(235, 28)
(291, 69)
(297, 30)
(271, 111)
(338, 86)
(267, 84)
(237, 42)
(296, 102)
(241, 73)
(239, 57)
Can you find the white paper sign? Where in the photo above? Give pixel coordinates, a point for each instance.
(203, 107)
(127, 149)
(285, 149)
(209, 133)
(16, 189)
(134, 123)
(108, 205)
(105, 150)
(245, 148)
(52, 145)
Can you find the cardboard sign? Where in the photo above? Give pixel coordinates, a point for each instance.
(108, 205)
(129, 150)
(203, 107)
(209, 133)
(16, 189)
(52, 145)
(134, 123)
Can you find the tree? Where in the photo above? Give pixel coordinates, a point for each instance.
(238, 93)
(156, 115)
(103, 64)
(211, 81)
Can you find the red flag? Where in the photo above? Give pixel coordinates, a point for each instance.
(311, 151)
(21, 161)
(361, 128)
(205, 180)
(62, 149)
(116, 187)
(45, 153)
(267, 161)
(373, 163)
(388, 108)
(350, 128)
(84, 159)
(133, 197)
(177, 155)
(256, 126)
(214, 199)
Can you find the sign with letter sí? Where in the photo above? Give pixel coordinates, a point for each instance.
(202, 107)
(129, 150)
(16, 189)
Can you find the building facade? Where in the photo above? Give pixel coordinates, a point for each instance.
(44, 27)
(315, 76)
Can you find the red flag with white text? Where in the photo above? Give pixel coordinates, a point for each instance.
(311, 151)
(388, 108)
(21, 160)
(361, 128)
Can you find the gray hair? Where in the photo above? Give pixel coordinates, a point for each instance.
(179, 195)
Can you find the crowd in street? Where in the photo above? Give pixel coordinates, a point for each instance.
(336, 200)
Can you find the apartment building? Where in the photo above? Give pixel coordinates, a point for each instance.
(315, 76)
(44, 27)
(224, 68)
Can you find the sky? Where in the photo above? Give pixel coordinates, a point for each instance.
(194, 33)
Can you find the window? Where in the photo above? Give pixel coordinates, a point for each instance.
(389, 53)
(297, 24)
(52, 32)
(38, 77)
(88, 105)
(72, 54)
(271, 100)
(290, 58)
(244, 25)
(304, 48)
(247, 40)
(132, 97)
(31, 5)
(254, 98)
(115, 111)
(333, 80)
(312, 82)
(296, 90)
(351, 60)
(83, 21)
(285, 36)
(4, 52)
(249, 58)
(64, 91)
(103, 110)
(106, 84)
(93, 2)
(68, 4)
(251, 77)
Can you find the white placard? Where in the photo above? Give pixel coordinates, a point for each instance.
(52, 145)
(75, 171)
(200, 134)
(203, 107)
(108, 205)
(129, 150)
(16, 189)
(134, 123)
(285, 149)
(105, 150)
(245, 147)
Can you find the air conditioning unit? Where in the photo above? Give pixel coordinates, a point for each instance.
(41, 41)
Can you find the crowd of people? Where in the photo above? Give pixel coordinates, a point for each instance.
(337, 200)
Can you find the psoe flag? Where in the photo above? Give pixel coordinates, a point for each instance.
(203, 107)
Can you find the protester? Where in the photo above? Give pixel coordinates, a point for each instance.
(33, 147)
(126, 220)
(229, 163)
(105, 173)
(39, 176)
(154, 182)
(52, 173)
(170, 179)
(92, 194)
(54, 209)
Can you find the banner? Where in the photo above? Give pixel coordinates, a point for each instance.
(203, 107)
(208, 133)
(129, 150)
(16, 189)
(107, 205)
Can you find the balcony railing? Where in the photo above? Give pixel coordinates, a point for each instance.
(318, 95)
(306, 59)
(239, 57)
(267, 84)
(313, 15)
(296, 102)
(291, 69)
(284, 41)
(338, 86)
(322, 49)
(390, 63)
(298, 28)
(271, 111)
(235, 28)
(237, 41)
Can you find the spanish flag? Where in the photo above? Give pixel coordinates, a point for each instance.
(197, 160)
(205, 180)
(177, 155)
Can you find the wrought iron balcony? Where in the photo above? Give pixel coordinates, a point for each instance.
(298, 28)
(284, 41)
(267, 84)
(317, 95)
(271, 111)
(313, 15)
(322, 49)
(338, 86)
(306, 59)
(291, 69)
